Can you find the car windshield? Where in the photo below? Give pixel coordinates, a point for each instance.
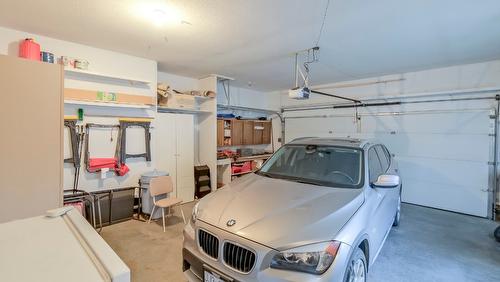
(333, 166)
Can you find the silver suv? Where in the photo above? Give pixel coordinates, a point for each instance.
(318, 210)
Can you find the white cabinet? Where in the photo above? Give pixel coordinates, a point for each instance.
(31, 118)
(175, 151)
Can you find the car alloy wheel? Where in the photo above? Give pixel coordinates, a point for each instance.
(357, 271)
(398, 213)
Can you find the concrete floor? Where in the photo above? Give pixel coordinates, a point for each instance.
(150, 254)
(429, 245)
(434, 245)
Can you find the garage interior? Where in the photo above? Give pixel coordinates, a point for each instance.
(102, 99)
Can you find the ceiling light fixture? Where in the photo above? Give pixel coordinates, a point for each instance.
(159, 13)
(158, 17)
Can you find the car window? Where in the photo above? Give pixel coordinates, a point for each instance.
(382, 155)
(333, 166)
(374, 166)
(387, 152)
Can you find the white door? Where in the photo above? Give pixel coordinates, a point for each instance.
(165, 144)
(175, 151)
(443, 155)
(185, 157)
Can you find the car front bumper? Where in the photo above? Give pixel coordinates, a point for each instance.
(195, 262)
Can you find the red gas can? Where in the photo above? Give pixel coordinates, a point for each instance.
(29, 49)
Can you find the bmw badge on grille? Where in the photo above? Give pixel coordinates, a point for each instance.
(231, 222)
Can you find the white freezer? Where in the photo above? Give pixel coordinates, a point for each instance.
(61, 247)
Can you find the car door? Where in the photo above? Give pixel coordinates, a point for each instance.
(381, 200)
(391, 168)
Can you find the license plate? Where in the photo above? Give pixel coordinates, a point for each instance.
(210, 277)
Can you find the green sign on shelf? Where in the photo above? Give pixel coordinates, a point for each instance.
(106, 96)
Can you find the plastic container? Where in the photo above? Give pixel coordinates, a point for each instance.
(29, 49)
(147, 200)
(47, 57)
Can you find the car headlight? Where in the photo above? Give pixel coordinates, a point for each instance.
(315, 262)
(194, 213)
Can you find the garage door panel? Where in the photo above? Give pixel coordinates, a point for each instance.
(444, 172)
(315, 127)
(443, 123)
(439, 146)
(318, 127)
(431, 194)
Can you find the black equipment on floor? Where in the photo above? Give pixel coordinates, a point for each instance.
(116, 205)
(202, 183)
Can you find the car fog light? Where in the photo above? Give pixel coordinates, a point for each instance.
(194, 213)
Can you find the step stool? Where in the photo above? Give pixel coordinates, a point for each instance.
(202, 183)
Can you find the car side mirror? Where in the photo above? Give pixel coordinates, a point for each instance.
(387, 181)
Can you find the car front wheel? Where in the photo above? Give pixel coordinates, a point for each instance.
(356, 268)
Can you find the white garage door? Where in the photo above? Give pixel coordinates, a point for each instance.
(443, 155)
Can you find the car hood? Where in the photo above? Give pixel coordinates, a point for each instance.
(278, 213)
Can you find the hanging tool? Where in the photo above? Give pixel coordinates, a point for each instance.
(96, 164)
(76, 140)
(81, 137)
(122, 139)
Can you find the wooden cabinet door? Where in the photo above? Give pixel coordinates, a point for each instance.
(220, 132)
(248, 131)
(266, 133)
(236, 132)
(258, 131)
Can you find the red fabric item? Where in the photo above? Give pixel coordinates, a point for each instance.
(96, 164)
(122, 170)
(235, 169)
(239, 168)
(247, 166)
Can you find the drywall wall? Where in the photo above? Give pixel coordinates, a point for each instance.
(248, 98)
(433, 83)
(180, 83)
(103, 142)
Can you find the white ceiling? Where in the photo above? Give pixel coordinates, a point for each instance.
(253, 40)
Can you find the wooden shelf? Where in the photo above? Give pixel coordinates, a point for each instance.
(252, 158)
(107, 104)
(107, 99)
(242, 173)
(195, 97)
(182, 111)
(77, 73)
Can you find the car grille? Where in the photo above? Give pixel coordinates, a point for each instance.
(238, 257)
(208, 243)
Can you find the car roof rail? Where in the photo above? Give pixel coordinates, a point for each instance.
(302, 138)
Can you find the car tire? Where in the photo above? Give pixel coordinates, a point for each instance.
(397, 217)
(497, 234)
(356, 267)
